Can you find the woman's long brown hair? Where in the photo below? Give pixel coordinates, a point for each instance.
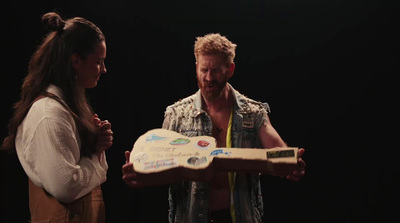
(50, 64)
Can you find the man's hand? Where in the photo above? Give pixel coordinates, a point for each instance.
(129, 176)
(301, 168)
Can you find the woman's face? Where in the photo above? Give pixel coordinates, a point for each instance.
(90, 69)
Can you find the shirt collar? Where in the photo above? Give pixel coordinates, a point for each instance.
(55, 90)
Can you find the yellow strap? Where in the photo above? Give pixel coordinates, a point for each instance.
(231, 175)
(228, 134)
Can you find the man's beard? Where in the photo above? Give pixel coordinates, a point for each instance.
(212, 91)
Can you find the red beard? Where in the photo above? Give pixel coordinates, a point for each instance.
(212, 91)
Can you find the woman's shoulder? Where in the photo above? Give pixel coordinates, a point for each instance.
(48, 107)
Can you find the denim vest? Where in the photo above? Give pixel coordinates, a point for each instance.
(188, 200)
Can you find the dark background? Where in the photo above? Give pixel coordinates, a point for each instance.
(326, 68)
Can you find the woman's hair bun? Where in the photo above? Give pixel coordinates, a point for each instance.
(53, 21)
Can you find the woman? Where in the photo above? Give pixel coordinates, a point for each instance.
(59, 140)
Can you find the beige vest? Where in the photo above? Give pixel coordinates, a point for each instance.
(45, 208)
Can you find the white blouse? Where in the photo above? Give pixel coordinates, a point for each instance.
(48, 147)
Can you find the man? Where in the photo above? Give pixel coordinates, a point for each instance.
(234, 120)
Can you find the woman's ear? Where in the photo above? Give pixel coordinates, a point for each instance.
(75, 61)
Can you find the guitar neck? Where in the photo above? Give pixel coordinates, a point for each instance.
(278, 154)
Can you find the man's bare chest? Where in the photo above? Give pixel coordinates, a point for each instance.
(220, 124)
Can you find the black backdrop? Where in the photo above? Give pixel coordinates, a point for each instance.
(325, 67)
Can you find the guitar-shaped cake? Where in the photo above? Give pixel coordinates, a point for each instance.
(161, 154)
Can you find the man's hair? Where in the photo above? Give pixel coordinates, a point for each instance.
(214, 43)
